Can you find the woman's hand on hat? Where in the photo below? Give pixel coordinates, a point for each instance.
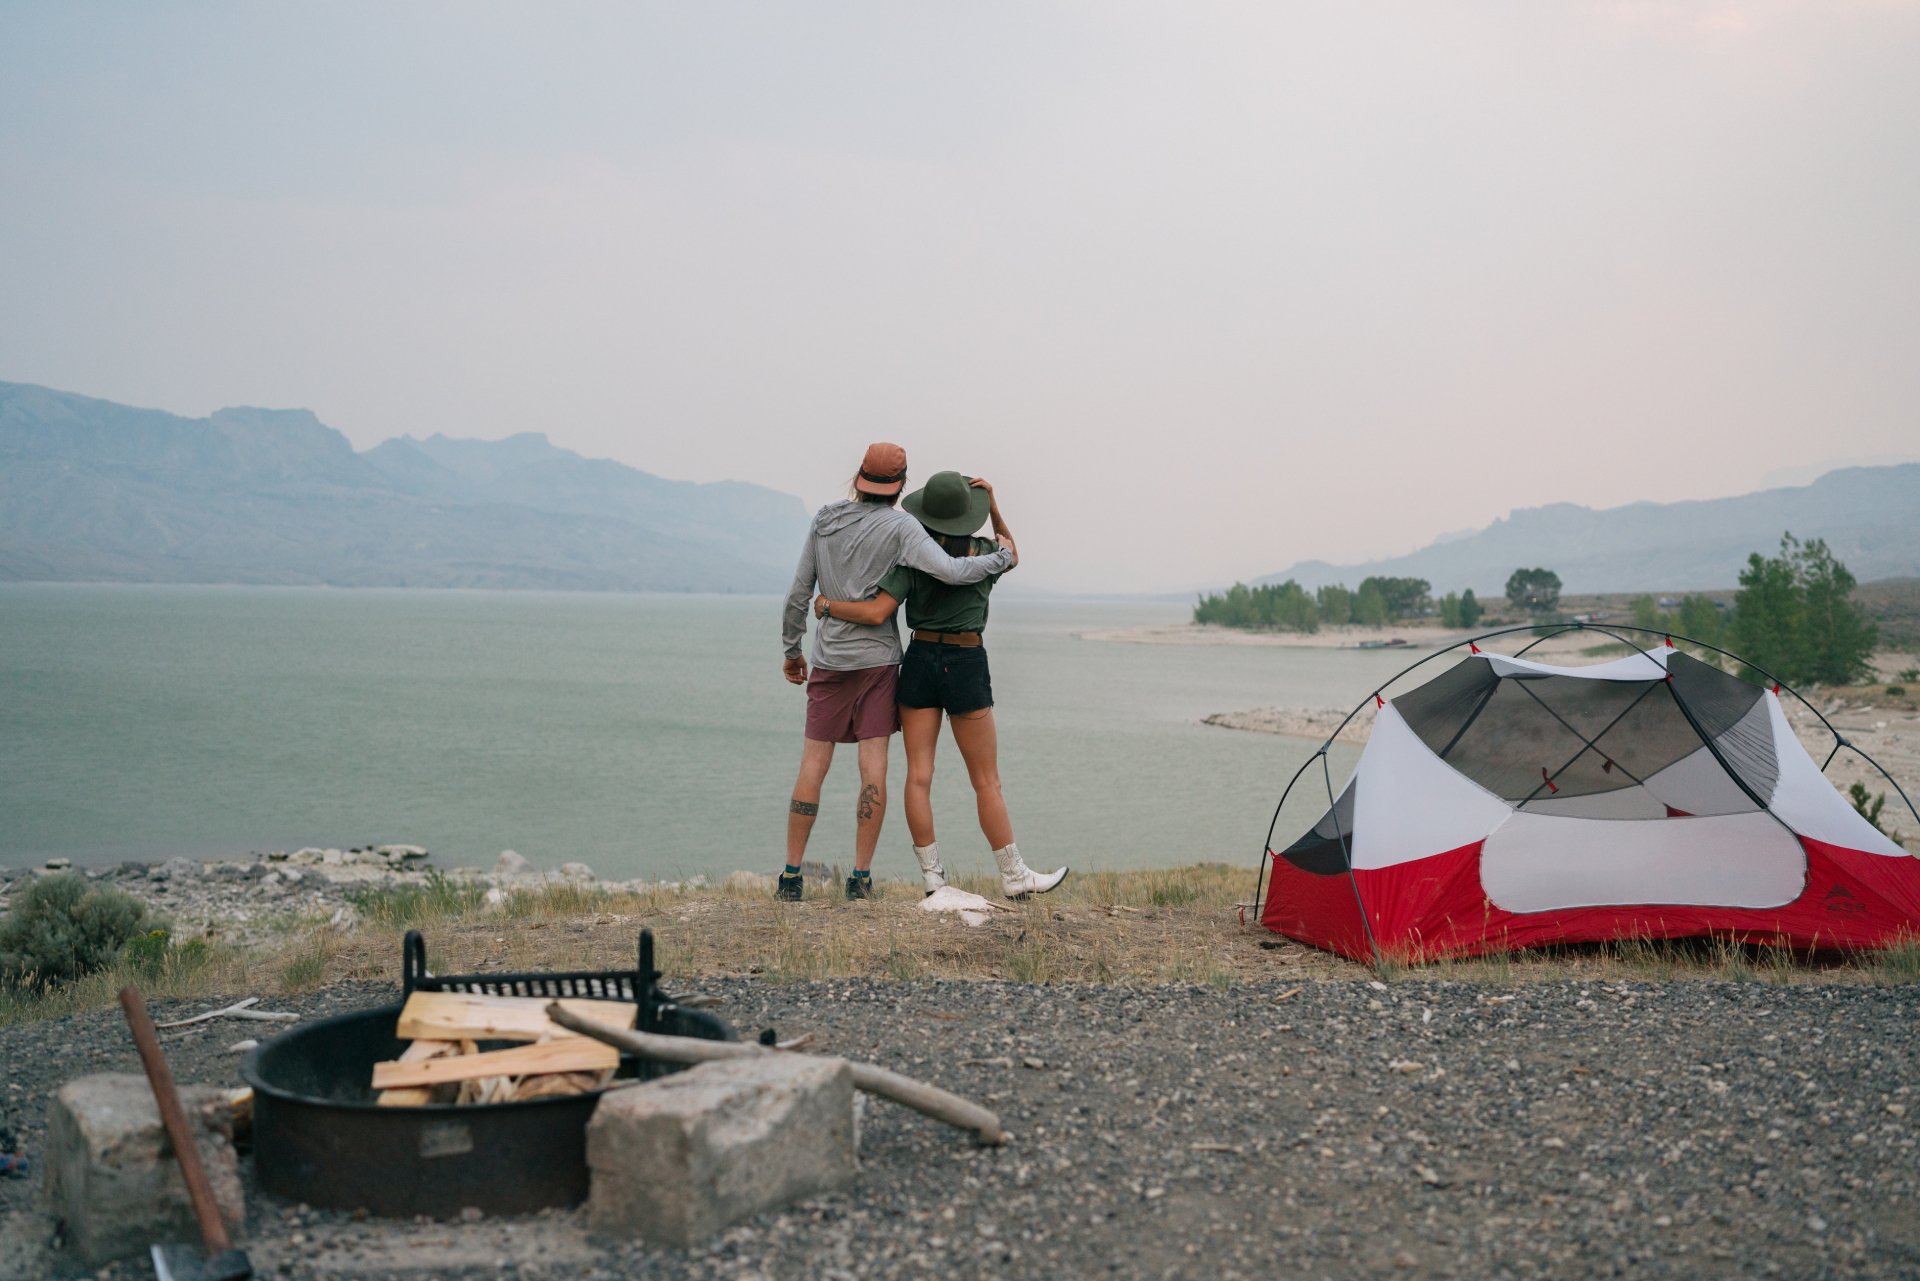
(981, 482)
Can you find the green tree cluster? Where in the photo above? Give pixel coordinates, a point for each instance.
(1795, 617)
(1535, 590)
(1285, 606)
(1696, 617)
(1289, 607)
(1461, 609)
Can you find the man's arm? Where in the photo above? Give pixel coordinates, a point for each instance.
(793, 619)
(871, 612)
(921, 552)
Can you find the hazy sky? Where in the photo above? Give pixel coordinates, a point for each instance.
(1206, 288)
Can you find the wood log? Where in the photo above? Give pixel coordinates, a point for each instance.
(930, 1100)
(453, 1016)
(419, 1095)
(574, 1054)
(557, 1084)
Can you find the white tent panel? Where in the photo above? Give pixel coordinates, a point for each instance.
(1648, 665)
(1409, 804)
(1537, 863)
(1807, 800)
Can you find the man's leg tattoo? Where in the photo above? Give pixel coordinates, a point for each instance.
(869, 801)
(806, 808)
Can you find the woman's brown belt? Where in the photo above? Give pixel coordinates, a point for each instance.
(969, 640)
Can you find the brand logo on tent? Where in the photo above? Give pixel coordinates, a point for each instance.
(1840, 899)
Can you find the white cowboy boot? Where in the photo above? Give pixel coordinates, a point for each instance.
(1018, 880)
(932, 875)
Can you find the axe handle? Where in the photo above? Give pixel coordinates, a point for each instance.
(213, 1228)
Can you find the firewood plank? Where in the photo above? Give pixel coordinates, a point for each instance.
(575, 1054)
(419, 1096)
(453, 1016)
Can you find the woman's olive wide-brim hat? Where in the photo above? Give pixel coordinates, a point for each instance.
(947, 504)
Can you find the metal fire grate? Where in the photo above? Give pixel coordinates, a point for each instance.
(320, 1136)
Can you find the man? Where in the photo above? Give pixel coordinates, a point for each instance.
(856, 666)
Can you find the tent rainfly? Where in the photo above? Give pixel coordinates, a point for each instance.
(1506, 803)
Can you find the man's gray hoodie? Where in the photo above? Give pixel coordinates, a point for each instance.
(849, 550)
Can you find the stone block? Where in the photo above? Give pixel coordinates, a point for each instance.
(680, 1159)
(112, 1180)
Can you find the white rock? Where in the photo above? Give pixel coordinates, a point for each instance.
(333, 858)
(678, 1160)
(400, 853)
(112, 1180)
(971, 908)
(576, 872)
(511, 864)
(59, 864)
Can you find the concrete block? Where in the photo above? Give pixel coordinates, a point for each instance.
(680, 1159)
(112, 1180)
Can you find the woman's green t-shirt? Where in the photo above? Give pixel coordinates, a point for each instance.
(934, 606)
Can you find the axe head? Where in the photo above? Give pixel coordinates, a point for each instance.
(190, 1263)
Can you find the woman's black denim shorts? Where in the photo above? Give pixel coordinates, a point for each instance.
(953, 678)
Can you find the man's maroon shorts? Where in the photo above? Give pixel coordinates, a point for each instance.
(845, 707)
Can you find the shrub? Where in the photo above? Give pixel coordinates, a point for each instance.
(1867, 805)
(60, 927)
(1896, 691)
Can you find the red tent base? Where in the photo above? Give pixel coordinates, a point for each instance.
(1432, 908)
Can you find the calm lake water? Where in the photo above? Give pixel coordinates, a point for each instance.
(644, 735)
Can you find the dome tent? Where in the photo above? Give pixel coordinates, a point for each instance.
(1507, 803)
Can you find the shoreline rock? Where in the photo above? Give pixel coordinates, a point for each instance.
(244, 900)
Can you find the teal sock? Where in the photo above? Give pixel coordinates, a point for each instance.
(793, 869)
(866, 875)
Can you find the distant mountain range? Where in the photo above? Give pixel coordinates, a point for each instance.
(95, 491)
(1869, 516)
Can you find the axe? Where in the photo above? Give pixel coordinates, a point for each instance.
(220, 1261)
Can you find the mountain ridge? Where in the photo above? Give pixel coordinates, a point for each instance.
(92, 490)
(1869, 516)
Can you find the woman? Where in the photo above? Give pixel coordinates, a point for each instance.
(945, 670)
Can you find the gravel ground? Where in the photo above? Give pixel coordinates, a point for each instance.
(1326, 1130)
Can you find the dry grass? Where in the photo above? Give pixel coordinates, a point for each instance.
(1129, 928)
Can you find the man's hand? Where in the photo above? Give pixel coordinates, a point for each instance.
(1007, 543)
(820, 606)
(795, 670)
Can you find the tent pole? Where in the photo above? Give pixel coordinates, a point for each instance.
(1267, 851)
(1346, 849)
(1591, 744)
(1893, 782)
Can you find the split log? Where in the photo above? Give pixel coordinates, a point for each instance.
(923, 1098)
(557, 1084)
(574, 1054)
(453, 1016)
(418, 1095)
